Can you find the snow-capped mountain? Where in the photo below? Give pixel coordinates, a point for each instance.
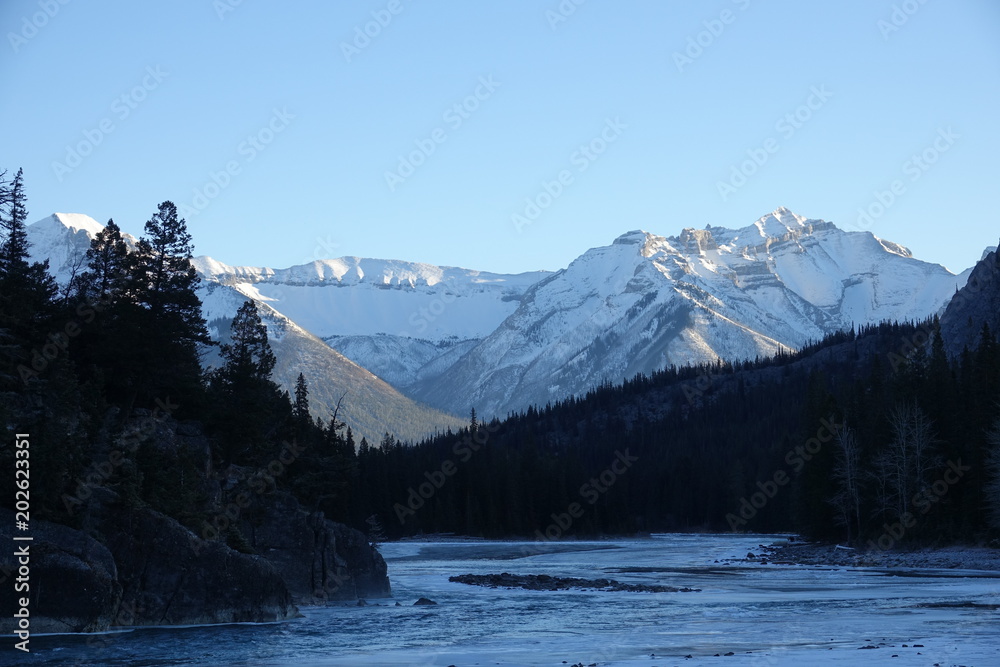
(403, 321)
(371, 406)
(455, 338)
(648, 301)
(63, 239)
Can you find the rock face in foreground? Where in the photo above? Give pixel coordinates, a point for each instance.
(152, 571)
(73, 582)
(319, 559)
(171, 577)
(127, 564)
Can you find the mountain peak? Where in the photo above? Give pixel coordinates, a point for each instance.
(73, 221)
(634, 237)
(779, 222)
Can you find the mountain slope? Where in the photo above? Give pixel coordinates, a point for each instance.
(647, 301)
(456, 338)
(401, 320)
(370, 405)
(977, 303)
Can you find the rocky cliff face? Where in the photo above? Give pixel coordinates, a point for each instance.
(171, 577)
(151, 571)
(72, 579)
(128, 564)
(972, 306)
(319, 559)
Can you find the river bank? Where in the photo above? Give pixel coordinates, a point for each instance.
(940, 558)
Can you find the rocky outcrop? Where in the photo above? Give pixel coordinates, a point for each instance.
(696, 241)
(169, 576)
(123, 563)
(545, 582)
(972, 306)
(72, 581)
(319, 559)
(150, 571)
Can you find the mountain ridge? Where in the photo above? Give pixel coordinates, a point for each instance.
(371, 406)
(456, 338)
(698, 296)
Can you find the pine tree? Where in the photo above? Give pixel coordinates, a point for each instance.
(250, 407)
(171, 325)
(109, 268)
(27, 292)
(108, 349)
(847, 474)
(14, 250)
(301, 408)
(38, 390)
(376, 533)
(248, 357)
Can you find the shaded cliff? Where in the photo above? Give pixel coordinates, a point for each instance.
(319, 559)
(160, 536)
(150, 571)
(974, 305)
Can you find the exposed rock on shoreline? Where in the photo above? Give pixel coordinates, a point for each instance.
(149, 571)
(944, 558)
(170, 577)
(72, 582)
(544, 582)
(320, 560)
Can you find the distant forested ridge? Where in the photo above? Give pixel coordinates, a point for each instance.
(872, 436)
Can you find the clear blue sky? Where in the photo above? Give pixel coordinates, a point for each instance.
(162, 95)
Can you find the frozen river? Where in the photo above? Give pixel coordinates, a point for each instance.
(761, 614)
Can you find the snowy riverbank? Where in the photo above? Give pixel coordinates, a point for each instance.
(942, 558)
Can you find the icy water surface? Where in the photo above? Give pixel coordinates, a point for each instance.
(761, 614)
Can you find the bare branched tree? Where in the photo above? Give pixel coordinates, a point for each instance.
(847, 474)
(903, 466)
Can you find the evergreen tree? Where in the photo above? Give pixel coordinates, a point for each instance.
(250, 407)
(847, 474)
(108, 349)
(109, 268)
(38, 389)
(171, 323)
(27, 292)
(301, 408)
(248, 357)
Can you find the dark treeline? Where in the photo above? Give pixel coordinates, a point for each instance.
(874, 434)
(843, 440)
